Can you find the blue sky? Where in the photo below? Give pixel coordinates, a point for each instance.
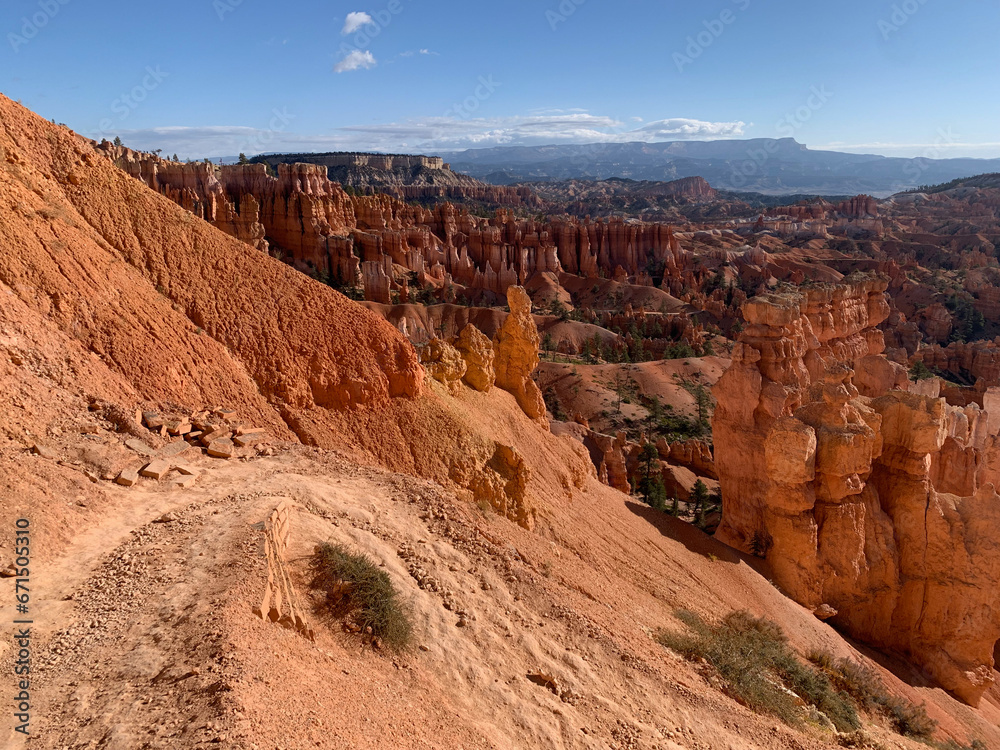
(215, 77)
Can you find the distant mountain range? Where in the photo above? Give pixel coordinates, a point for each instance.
(763, 165)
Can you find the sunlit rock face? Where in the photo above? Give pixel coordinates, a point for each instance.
(866, 499)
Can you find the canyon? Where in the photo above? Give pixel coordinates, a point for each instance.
(862, 488)
(486, 419)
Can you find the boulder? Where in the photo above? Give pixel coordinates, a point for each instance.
(443, 362)
(221, 448)
(156, 469)
(139, 447)
(128, 477)
(249, 438)
(173, 449)
(184, 482)
(44, 451)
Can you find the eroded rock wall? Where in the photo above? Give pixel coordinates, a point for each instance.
(866, 498)
(381, 243)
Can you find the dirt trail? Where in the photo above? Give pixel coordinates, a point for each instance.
(158, 647)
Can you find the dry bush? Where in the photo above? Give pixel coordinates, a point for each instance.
(870, 695)
(753, 657)
(358, 589)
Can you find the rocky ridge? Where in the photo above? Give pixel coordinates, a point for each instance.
(139, 289)
(410, 178)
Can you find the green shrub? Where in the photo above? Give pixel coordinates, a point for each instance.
(909, 719)
(358, 589)
(753, 657)
(920, 371)
(870, 695)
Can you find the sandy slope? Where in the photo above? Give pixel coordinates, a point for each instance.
(148, 639)
(592, 390)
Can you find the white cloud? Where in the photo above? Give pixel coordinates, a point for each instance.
(428, 135)
(411, 53)
(555, 111)
(355, 21)
(355, 60)
(681, 128)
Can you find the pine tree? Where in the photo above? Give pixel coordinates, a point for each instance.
(548, 343)
(699, 499)
(920, 371)
(650, 486)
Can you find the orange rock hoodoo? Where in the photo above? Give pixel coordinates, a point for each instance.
(865, 499)
(516, 345)
(376, 241)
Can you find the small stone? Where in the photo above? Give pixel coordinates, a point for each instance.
(44, 451)
(173, 449)
(156, 469)
(9, 572)
(249, 438)
(179, 428)
(152, 420)
(91, 476)
(186, 470)
(825, 612)
(128, 477)
(544, 680)
(139, 447)
(167, 518)
(213, 435)
(222, 448)
(184, 482)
